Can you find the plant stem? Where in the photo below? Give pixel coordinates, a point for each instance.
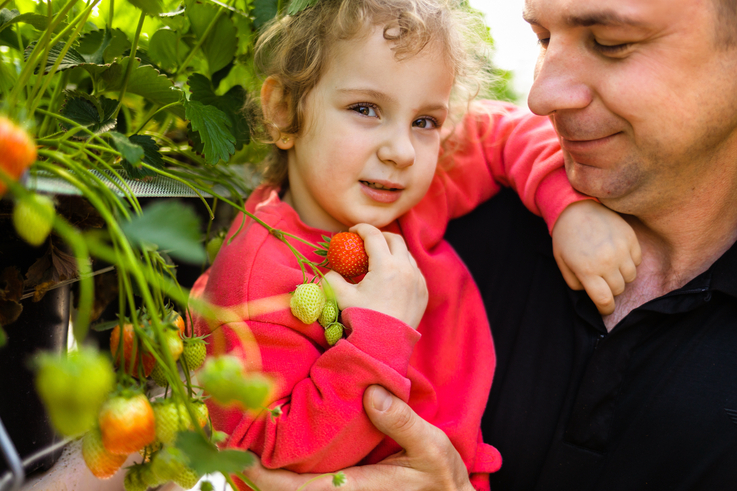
(199, 44)
(243, 478)
(111, 14)
(154, 113)
(57, 90)
(131, 62)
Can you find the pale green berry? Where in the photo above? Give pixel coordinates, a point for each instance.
(307, 302)
(333, 333)
(329, 314)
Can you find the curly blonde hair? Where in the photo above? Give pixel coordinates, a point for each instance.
(295, 51)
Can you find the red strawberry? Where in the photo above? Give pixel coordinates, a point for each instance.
(346, 254)
(132, 354)
(17, 150)
(127, 423)
(100, 462)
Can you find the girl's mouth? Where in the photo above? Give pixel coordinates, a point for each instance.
(381, 192)
(378, 185)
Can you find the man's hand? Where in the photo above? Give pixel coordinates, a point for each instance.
(394, 284)
(429, 462)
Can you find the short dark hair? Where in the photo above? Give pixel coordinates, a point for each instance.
(726, 25)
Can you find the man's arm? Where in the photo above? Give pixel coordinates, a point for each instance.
(428, 462)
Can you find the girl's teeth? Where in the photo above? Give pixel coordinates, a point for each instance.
(375, 185)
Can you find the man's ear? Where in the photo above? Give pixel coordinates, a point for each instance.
(275, 107)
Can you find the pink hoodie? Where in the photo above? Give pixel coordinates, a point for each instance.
(443, 369)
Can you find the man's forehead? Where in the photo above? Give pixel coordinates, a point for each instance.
(585, 13)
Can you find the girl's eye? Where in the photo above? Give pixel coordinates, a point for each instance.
(426, 123)
(365, 109)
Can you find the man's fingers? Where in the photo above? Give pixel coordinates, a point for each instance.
(395, 419)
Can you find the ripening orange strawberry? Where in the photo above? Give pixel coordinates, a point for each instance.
(127, 423)
(100, 462)
(132, 355)
(17, 150)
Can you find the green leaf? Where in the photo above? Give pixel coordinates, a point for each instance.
(213, 127)
(40, 22)
(93, 44)
(8, 76)
(131, 152)
(151, 156)
(145, 81)
(205, 458)
(105, 326)
(220, 46)
(231, 103)
(70, 60)
(149, 7)
(296, 6)
(170, 226)
(3, 337)
(119, 44)
(167, 49)
(264, 11)
(89, 111)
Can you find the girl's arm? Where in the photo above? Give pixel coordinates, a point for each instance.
(498, 145)
(323, 426)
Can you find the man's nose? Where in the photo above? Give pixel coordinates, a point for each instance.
(397, 148)
(560, 80)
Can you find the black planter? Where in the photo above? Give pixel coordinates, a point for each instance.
(41, 326)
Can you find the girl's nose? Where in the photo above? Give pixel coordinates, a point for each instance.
(398, 148)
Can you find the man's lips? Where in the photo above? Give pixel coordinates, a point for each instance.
(382, 191)
(585, 145)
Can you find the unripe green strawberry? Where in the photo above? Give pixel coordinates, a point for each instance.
(225, 380)
(213, 247)
(171, 417)
(73, 388)
(158, 375)
(173, 343)
(141, 477)
(329, 314)
(195, 351)
(307, 302)
(202, 413)
(170, 464)
(333, 333)
(187, 479)
(33, 217)
(100, 462)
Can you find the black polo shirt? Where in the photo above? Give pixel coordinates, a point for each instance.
(652, 405)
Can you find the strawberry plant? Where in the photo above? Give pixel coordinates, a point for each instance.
(96, 98)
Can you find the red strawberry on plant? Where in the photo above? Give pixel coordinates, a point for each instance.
(346, 254)
(33, 217)
(17, 150)
(133, 353)
(127, 423)
(100, 462)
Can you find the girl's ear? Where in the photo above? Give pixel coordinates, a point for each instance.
(275, 107)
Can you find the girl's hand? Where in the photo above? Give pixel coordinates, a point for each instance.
(394, 284)
(596, 250)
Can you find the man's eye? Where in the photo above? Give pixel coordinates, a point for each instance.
(612, 50)
(543, 42)
(425, 123)
(365, 109)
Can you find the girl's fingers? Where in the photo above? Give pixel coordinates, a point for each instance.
(628, 271)
(600, 293)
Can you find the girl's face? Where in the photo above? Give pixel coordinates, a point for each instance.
(369, 147)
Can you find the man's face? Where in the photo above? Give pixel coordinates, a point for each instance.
(642, 96)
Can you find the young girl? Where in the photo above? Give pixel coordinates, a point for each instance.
(356, 94)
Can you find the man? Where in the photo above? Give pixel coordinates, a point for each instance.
(643, 94)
